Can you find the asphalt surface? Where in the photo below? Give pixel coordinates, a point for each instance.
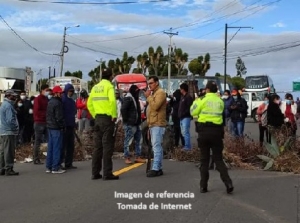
(37, 197)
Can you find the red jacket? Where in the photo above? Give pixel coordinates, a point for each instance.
(81, 105)
(40, 109)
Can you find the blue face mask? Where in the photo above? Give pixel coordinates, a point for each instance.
(46, 93)
(266, 102)
(234, 97)
(288, 102)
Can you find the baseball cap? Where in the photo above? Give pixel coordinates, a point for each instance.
(10, 92)
(212, 86)
(57, 89)
(234, 92)
(107, 72)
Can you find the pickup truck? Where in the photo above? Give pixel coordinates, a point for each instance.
(253, 102)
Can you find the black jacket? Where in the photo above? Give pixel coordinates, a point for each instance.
(55, 115)
(238, 114)
(131, 110)
(274, 115)
(185, 104)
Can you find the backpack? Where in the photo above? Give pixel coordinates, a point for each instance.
(264, 118)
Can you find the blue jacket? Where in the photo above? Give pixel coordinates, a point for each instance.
(69, 106)
(8, 118)
(227, 103)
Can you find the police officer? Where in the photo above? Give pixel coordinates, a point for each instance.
(210, 111)
(103, 107)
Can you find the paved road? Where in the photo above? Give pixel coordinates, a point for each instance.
(37, 197)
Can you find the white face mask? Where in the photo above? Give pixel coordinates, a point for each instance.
(49, 97)
(225, 97)
(32, 102)
(20, 104)
(30, 111)
(22, 97)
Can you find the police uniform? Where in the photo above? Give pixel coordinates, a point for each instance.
(102, 105)
(210, 112)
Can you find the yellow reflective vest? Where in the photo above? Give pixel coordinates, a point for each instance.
(209, 109)
(102, 100)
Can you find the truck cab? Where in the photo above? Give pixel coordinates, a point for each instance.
(253, 102)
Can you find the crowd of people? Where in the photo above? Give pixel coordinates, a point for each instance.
(51, 117)
(48, 118)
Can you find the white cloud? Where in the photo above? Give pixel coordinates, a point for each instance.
(278, 25)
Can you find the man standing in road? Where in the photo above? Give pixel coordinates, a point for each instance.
(9, 129)
(70, 110)
(103, 107)
(39, 116)
(131, 115)
(156, 119)
(210, 111)
(185, 116)
(55, 125)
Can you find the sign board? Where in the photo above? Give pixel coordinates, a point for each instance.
(296, 86)
(6, 84)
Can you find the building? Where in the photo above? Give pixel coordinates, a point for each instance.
(18, 79)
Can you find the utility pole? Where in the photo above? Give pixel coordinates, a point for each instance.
(225, 47)
(64, 49)
(100, 69)
(170, 34)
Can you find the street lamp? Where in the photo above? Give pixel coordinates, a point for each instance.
(64, 48)
(225, 48)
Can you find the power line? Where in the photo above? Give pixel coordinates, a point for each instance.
(97, 51)
(95, 3)
(32, 47)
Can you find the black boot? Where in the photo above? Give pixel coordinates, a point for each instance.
(11, 172)
(229, 188)
(111, 177)
(2, 172)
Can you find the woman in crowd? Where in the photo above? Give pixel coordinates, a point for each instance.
(274, 115)
(289, 110)
(262, 121)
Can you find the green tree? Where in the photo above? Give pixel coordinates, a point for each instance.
(194, 66)
(77, 74)
(95, 74)
(41, 82)
(179, 58)
(238, 82)
(156, 61)
(217, 75)
(200, 65)
(204, 64)
(142, 63)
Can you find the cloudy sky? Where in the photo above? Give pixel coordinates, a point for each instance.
(106, 31)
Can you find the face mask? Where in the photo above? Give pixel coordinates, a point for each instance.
(288, 102)
(49, 97)
(32, 102)
(225, 96)
(46, 93)
(22, 97)
(266, 102)
(20, 104)
(30, 111)
(234, 97)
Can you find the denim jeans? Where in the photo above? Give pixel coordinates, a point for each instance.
(238, 128)
(185, 125)
(55, 144)
(132, 133)
(157, 134)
